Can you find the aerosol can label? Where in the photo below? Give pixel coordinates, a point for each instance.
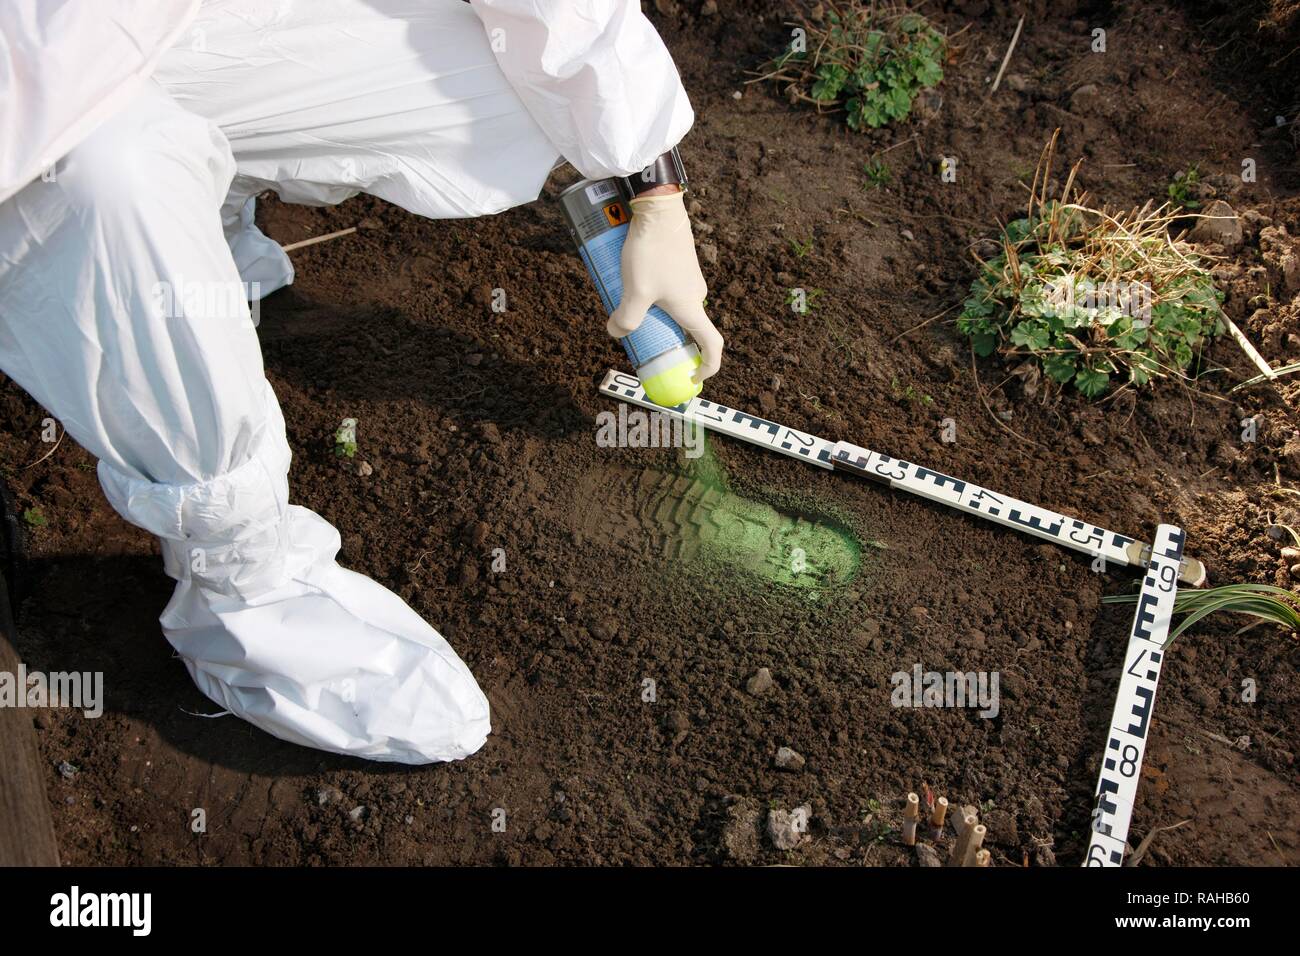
(598, 219)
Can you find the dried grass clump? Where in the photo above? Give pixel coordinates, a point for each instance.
(1091, 296)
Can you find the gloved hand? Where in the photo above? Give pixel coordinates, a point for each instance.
(660, 268)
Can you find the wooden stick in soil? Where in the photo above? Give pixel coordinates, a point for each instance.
(325, 238)
(1007, 58)
(910, 817)
(937, 816)
(964, 833)
(974, 844)
(1251, 352)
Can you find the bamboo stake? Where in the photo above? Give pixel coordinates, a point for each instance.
(910, 815)
(974, 843)
(937, 817)
(964, 833)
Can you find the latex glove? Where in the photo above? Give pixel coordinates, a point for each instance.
(660, 268)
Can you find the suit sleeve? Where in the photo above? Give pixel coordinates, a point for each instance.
(595, 76)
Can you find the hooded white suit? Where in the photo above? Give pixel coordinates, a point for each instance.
(133, 138)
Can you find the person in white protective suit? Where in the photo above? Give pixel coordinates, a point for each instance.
(134, 137)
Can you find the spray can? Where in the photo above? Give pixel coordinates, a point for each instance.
(664, 357)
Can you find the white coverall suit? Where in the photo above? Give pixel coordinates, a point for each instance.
(133, 136)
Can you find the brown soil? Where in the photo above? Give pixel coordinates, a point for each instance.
(480, 429)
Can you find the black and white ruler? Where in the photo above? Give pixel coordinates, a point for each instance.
(1130, 720)
(905, 476)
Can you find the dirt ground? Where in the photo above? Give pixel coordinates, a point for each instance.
(479, 428)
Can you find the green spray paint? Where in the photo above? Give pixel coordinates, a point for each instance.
(784, 548)
(696, 518)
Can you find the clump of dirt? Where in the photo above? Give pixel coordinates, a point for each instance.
(646, 654)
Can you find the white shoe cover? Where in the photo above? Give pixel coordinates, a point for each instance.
(272, 629)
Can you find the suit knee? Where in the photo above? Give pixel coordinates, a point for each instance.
(151, 154)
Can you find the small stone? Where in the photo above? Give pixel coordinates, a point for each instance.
(328, 795)
(1290, 263)
(67, 770)
(788, 828)
(927, 855)
(1219, 225)
(365, 469)
(760, 682)
(737, 95)
(787, 758)
(709, 8)
(908, 235)
(358, 814)
(1085, 98)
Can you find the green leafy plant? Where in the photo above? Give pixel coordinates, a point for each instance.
(345, 438)
(1090, 295)
(878, 173)
(801, 249)
(1181, 187)
(34, 518)
(908, 394)
(1263, 601)
(867, 60)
